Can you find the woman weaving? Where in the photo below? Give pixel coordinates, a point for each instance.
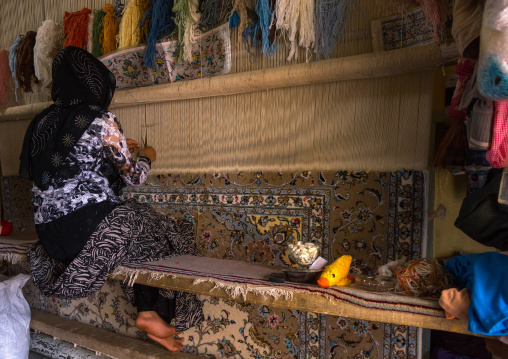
(78, 158)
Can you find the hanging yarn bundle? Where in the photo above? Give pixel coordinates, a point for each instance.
(306, 30)
(240, 7)
(421, 277)
(89, 46)
(264, 10)
(330, 20)
(161, 24)
(25, 72)
(130, 33)
(5, 80)
(98, 18)
(214, 13)
(75, 27)
(109, 29)
(186, 19)
(48, 43)
(12, 64)
(287, 13)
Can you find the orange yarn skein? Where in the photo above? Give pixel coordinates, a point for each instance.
(75, 28)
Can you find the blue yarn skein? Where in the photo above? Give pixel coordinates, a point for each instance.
(12, 64)
(492, 83)
(264, 11)
(162, 23)
(330, 19)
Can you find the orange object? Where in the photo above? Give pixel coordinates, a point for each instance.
(75, 27)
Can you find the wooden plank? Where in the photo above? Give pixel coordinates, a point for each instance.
(100, 340)
(305, 302)
(365, 66)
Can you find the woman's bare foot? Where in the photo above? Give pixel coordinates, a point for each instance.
(171, 343)
(153, 324)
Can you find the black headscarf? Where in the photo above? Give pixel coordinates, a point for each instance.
(82, 90)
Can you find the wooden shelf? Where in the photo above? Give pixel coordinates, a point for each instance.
(371, 65)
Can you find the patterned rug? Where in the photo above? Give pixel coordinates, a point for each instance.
(375, 217)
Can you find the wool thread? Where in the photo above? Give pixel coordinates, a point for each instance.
(214, 13)
(110, 25)
(91, 18)
(130, 33)
(97, 32)
(25, 72)
(48, 42)
(186, 19)
(161, 23)
(421, 277)
(12, 64)
(5, 78)
(330, 22)
(265, 14)
(75, 27)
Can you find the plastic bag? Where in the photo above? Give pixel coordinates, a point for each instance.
(493, 61)
(14, 318)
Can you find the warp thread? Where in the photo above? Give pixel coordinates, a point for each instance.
(161, 24)
(97, 32)
(5, 78)
(25, 72)
(75, 27)
(109, 29)
(330, 25)
(91, 19)
(12, 64)
(214, 13)
(421, 277)
(130, 33)
(48, 43)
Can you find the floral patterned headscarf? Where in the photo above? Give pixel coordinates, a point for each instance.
(82, 90)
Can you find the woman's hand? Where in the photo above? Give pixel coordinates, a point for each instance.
(133, 145)
(149, 152)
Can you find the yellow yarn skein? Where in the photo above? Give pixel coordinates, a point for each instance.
(130, 33)
(109, 29)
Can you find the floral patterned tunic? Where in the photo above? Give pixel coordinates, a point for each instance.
(101, 151)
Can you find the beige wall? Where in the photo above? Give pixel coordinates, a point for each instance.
(450, 190)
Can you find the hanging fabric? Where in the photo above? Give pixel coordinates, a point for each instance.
(130, 33)
(75, 27)
(48, 42)
(110, 25)
(25, 72)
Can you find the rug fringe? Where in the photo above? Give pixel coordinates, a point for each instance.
(13, 258)
(233, 290)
